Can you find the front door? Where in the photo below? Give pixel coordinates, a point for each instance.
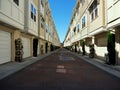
(46, 47)
(35, 47)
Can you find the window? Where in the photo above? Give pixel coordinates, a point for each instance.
(82, 1)
(83, 22)
(42, 22)
(94, 10)
(47, 29)
(16, 2)
(74, 30)
(92, 16)
(78, 27)
(42, 3)
(33, 12)
(32, 15)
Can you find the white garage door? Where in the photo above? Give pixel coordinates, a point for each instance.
(26, 47)
(5, 47)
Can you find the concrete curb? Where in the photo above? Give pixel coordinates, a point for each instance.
(113, 70)
(13, 67)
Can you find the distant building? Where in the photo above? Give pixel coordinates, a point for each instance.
(61, 45)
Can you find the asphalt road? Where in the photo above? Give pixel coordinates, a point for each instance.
(61, 71)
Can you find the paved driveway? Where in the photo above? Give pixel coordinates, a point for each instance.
(61, 71)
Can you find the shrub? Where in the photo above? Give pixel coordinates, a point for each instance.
(111, 47)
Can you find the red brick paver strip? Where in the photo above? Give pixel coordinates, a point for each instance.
(61, 71)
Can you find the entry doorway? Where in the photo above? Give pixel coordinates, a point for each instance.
(35, 47)
(46, 47)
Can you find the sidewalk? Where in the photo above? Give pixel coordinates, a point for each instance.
(13, 67)
(112, 69)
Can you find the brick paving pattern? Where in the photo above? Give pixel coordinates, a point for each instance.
(61, 71)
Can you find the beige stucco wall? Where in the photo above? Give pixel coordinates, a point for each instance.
(101, 45)
(42, 42)
(83, 8)
(36, 2)
(42, 33)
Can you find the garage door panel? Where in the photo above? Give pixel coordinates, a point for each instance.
(26, 47)
(5, 60)
(5, 47)
(3, 44)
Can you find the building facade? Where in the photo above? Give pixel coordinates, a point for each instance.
(91, 21)
(113, 24)
(24, 20)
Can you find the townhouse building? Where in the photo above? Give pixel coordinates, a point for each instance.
(113, 24)
(51, 35)
(41, 25)
(30, 27)
(24, 20)
(97, 26)
(49, 25)
(88, 25)
(11, 24)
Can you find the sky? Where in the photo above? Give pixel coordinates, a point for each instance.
(62, 14)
